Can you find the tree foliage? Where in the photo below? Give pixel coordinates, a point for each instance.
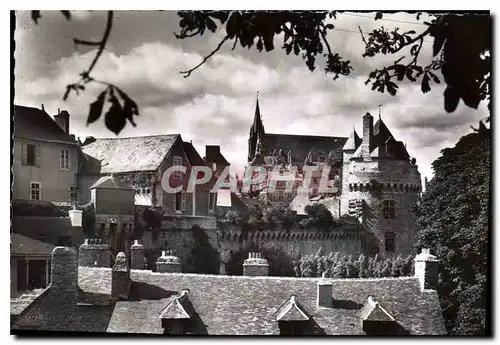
(461, 53)
(453, 219)
(318, 216)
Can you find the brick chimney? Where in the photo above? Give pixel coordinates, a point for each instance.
(62, 119)
(324, 296)
(120, 278)
(137, 256)
(367, 135)
(64, 273)
(94, 253)
(255, 265)
(427, 270)
(168, 263)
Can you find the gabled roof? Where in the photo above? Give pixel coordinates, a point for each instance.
(33, 123)
(179, 308)
(109, 182)
(119, 155)
(372, 311)
(291, 311)
(192, 155)
(352, 142)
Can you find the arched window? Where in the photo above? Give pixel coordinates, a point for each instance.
(390, 242)
(360, 187)
(355, 187)
(388, 209)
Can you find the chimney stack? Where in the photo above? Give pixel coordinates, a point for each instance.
(94, 253)
(255, 265)
(427, 270)
(64, 273)
(168, 263)
(324, 289)
(120, 278)
(62, 119)
(137, 256)
(367, 135)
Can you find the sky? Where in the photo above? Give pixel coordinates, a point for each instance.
(216, 104)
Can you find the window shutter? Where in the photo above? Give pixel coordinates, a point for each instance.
(24, 154)
(37, 156)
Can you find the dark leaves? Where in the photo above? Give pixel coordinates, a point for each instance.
(378, 15)
(35, 15)
(451, 99)
(96, 108)
(425, 83)
(66, 15)
(114, 118)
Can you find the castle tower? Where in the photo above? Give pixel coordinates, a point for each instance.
(379, 184)
(256, 132)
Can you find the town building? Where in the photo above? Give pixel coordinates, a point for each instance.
(46, 159)
(127, 299)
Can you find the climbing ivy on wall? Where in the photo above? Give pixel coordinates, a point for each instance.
(203, 258)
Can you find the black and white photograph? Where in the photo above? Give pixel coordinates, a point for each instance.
(251, 172)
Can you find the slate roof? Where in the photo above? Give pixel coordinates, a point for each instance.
(192, 155)
(301, 145)
(248, 305)
(109, 182)
(35, 123)
(49, 230)
(213, 155)
(120, 155)
(352, 142)
(22, 245)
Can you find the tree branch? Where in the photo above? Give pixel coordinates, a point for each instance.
(419, 37)
(188, 73)
(323, 36)
(362, 36)
(109, 25)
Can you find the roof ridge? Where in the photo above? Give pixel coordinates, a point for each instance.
(139, 136)
(307, 135)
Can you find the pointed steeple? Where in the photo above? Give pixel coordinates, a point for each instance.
(352, 142)
(257, 125)
(256, 132)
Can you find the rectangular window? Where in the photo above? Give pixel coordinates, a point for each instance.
(35, 191)
(388, 209)
(73, 194)
(177, 163)
(31, 155)
(178, 199)
(211, 202)
(64, 159)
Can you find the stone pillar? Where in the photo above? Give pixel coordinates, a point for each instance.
(367, 135)
(168, 263)
(47, 277)
(137, 256)
(13, 277)
(255, 265)
(427, 270)
(64, 273)
(120, 278)
(324, 296)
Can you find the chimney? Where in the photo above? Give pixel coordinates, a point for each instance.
(62, 119)
(211, 151)
(168, 263)
(255, 265)
(120, 278)
(367, 135)
(427, 270)
(64, 273)
(43, 108)
(324, 298)
(137, 256)
(94, 253)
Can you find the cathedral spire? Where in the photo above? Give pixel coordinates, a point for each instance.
(257, 120)
(256, 132)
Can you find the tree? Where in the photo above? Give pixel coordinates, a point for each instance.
(461, 50)
(453, 219)
(318, 216)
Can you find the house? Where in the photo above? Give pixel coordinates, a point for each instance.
(140, 163)
(45, 162)
(32, 240)
(137, 301)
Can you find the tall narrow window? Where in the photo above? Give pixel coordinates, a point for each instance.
(211, 202)
(64, 159)
(35, 191)
(183, 201)
(177, 163)
(390, 242)
(31, 155)
(73, 194)
(178, 201)
(388, 209)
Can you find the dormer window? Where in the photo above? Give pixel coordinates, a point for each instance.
(177, 314)
(377, 320)
(291, 317)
